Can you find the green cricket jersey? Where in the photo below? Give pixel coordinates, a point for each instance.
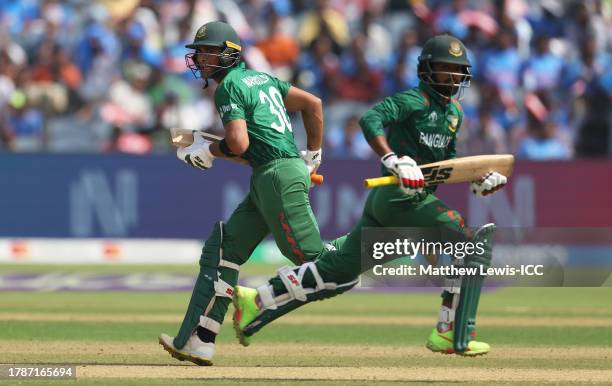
(257, 98)
(420, 125)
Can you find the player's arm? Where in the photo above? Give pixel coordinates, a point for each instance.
(375, 120)
(390, 110)
(311, 109)
(380, 145)
(202, 152)
(236, 140)
(231, 107)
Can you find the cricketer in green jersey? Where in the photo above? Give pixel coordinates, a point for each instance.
(422, 125)
(253, 107)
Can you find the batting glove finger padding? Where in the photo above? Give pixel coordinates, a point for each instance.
(410, 177)
(197, 154)
(488, 184)
(312, 159)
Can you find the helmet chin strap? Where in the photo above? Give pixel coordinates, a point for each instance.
(218, 71)
(444, 95)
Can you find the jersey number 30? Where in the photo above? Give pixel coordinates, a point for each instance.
(277, 107)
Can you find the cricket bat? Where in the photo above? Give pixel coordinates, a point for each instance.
(184, 137)
(452, 171)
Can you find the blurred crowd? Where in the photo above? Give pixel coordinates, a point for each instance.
(110, 76)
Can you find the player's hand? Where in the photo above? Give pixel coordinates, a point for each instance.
(197, 154)
(312, 159)
(410, 177)
(488, 184)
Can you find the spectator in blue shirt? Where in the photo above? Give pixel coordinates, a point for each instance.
(348, 141)
(134, 47)
(25, 123)
(448, 19)
(541, 138)
(97, 40)
(16, 14)
(543, 144)
(502, 64)
(316, 66)
(403, 74)
(590, 80)
(543, 69)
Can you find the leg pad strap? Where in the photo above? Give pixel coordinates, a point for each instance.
(275, 306)
(209, 324)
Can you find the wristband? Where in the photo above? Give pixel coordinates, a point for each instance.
(223, 146)
(387, 156)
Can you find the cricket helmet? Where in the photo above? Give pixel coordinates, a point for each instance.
(214, 34)
(444, 49)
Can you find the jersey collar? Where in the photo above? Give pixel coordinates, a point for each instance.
(240, 65)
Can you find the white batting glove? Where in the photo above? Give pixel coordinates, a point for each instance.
(488, 184)
(312, 159)
(410, 177)
(197, 154)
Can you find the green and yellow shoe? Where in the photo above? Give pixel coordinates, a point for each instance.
(245, 311)
(442, 342)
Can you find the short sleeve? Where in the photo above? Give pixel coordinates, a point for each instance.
(283, 87)
(229, 102)
(390, 110)
(452, 147)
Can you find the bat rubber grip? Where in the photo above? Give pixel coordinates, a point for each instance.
(316, 179)
(380, 181)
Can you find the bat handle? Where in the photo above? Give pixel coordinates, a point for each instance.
(316, 179)
(380, 181)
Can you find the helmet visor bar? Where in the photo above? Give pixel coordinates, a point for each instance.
(197, 62)
(452, 79)
(447, 83)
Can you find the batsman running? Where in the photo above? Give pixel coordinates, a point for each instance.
(253, 107)
(422, 125)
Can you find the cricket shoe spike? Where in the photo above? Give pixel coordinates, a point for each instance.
(245, 311)
(442, 342)
(194, 350)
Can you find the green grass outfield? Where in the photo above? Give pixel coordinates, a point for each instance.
(558, 335)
